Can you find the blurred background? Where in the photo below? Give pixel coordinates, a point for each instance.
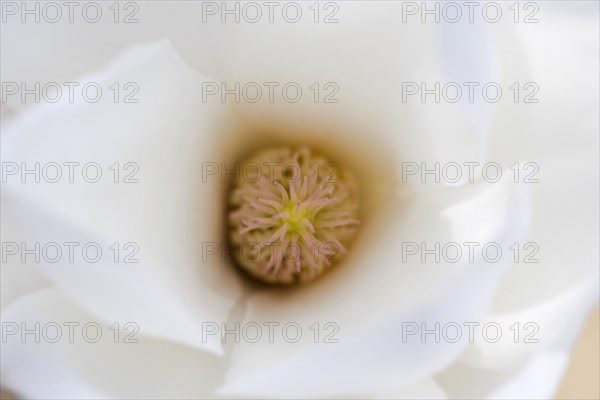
(581, 380)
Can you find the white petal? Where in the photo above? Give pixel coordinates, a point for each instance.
(68, 362)
(564, 145)
(553, 294)
(426, 389)
(69, 50)
(554, 284)
(367, 55)
(17, 278)
(536, 378)
(553, 325)
(531, 131)
(556, 291)
(5, 112)
(372, 295)
(169, 214)
(539, 379)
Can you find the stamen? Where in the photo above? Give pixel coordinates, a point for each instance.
(294, 223)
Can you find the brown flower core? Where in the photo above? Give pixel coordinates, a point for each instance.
(293, 215)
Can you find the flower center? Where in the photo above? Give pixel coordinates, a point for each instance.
(297, 216)
(292, 216)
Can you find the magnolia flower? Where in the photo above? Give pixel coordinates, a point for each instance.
(136, 185)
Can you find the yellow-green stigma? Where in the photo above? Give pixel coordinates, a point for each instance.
(293, 216)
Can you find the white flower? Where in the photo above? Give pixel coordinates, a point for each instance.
(174, 291)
